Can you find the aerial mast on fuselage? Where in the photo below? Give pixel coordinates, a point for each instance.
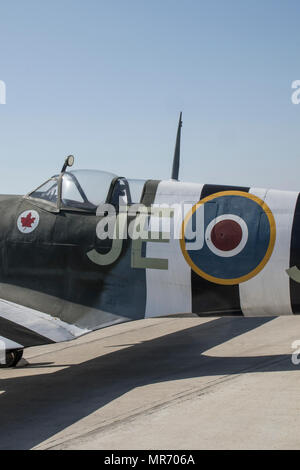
(176, 159)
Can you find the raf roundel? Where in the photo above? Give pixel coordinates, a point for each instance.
(226, 235)
(239, 236)
(28, 221)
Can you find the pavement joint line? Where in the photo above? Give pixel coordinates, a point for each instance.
(183, 396)
(70, 343)
(134, 413)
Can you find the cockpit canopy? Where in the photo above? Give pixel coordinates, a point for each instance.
(85, 190)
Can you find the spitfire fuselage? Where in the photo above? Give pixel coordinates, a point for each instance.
(53, 262)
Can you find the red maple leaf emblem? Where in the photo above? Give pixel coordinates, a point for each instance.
(27, 221)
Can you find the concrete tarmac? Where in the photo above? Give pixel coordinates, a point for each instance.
(167, 383)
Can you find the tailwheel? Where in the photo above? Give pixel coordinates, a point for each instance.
(12, 358)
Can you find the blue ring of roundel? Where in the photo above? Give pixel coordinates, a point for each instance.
(241, 264)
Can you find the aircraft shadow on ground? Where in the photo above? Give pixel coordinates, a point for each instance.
(34, 408)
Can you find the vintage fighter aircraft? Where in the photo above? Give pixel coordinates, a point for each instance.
(60, 280)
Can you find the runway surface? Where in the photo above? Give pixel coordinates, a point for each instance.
(168, 383)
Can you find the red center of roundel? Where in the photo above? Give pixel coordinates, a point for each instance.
(27, 221)
(226, 235)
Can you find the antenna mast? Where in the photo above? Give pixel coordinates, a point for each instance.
(176, 159)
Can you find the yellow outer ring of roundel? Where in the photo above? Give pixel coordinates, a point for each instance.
(263, 262)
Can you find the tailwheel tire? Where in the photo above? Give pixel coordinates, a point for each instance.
(12, 358)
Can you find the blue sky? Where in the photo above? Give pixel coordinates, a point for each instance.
(105, 81)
